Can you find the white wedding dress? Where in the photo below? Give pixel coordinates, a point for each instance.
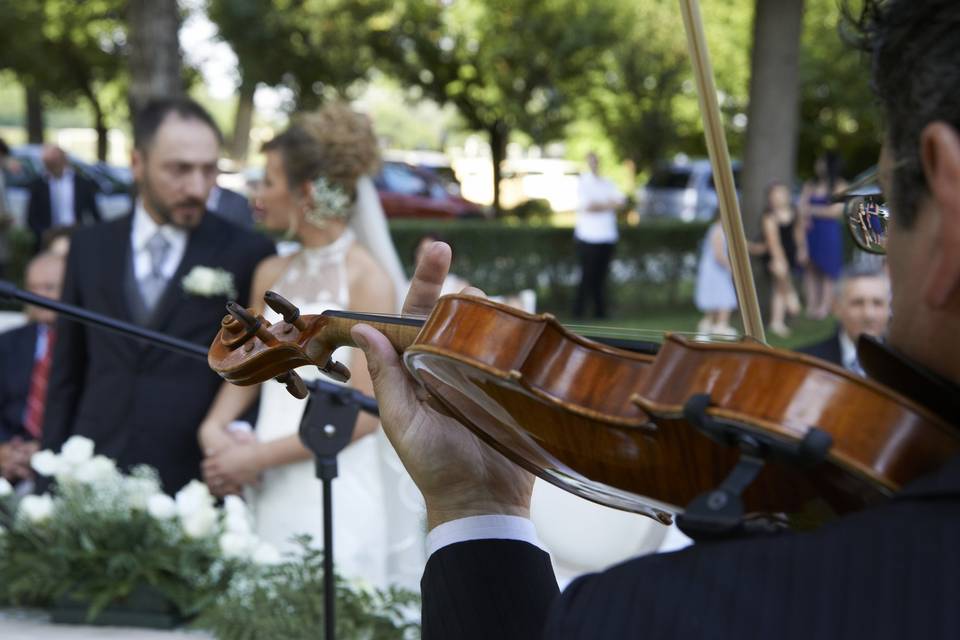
(378, 512)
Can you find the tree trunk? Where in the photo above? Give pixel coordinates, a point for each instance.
(771, 141)
(34, 115)
(153, 26)
(243, 121)
(499, 133)
(101, 127)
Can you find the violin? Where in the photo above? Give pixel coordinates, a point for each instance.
(635, 431)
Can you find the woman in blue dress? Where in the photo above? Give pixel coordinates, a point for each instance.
(822, 218)
(714, 294)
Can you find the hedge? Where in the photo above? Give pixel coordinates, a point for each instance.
(653, 269)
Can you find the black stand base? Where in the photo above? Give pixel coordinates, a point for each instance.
(718, 513)
(326, 429)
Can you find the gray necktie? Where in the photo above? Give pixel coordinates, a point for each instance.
(153, 284)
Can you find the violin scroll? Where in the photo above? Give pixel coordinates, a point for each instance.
(249, 349)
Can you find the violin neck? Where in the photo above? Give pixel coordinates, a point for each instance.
(401, 332)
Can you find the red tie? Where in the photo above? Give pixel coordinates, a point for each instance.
(36, 400)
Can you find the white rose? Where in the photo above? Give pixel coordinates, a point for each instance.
(266, 553)
(161, 506)
(193, 498)
(5, 488)
(200, 523)
(77, 450)
(46, 463)
(37, 508)
(98, 470)
(140, 490)
(235, 504)
(236, 545)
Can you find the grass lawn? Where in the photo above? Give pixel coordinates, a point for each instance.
(803, 331)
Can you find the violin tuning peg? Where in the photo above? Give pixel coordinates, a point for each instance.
(336, 371)
(243, 316)
(282, 306)
(295, 384)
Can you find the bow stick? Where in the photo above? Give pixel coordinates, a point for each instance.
(730, 216)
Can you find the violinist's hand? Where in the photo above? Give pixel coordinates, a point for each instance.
(459, 475)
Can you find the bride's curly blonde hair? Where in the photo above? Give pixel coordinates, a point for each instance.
(334, 142)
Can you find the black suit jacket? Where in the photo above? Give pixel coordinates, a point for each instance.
(142, 404)
(17, 349)
(891, 571)
(235, 208)
(40, 211)
(828, 350)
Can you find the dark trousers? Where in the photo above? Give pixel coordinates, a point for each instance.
(594, 265)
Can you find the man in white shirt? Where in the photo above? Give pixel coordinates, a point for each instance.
(596, 236)
(862, 307)
(61, 197)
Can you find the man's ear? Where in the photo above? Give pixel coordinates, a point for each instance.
(940, 155)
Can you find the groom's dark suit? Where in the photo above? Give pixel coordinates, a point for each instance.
(142, 404)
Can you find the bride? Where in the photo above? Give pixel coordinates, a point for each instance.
(316, 186)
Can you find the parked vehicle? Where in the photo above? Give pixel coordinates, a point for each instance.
(407, 191)
(114, 184)
(682, 190)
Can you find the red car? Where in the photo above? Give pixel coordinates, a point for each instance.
(407, 191)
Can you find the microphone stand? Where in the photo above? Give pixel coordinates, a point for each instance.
(326, 427)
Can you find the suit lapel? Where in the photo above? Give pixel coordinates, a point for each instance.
(114, 254)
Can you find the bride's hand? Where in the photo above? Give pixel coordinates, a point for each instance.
(233, 467)
(459, 475)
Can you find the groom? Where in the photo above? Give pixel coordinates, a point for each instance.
(169, 266)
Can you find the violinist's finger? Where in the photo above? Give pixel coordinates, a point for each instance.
(391, 384)
(427, 280)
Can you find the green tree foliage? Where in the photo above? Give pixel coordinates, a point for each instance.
(837, 107)
(506, 65)
(316, 48)
(67, 50)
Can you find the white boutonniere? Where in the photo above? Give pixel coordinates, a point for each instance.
(209, 282)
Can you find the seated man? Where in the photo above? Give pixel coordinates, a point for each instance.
(862, 307)
(888, 571)
(25, 358)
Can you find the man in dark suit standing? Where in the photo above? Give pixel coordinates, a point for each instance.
(168, 266)
(862, 307)
(889, 571)
(231, 206)
(61, 197)
(25, 360)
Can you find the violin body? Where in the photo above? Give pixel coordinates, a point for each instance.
(608, 424)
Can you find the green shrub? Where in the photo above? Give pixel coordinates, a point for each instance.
(654, 266)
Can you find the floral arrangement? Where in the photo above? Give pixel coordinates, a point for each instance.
(209, 282)
(102, 535)
(285, 600)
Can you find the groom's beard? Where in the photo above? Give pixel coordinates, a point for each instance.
(185, 214)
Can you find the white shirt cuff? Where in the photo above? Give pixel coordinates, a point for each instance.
(492, 527)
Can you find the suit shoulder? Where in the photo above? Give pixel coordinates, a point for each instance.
(17, 335)
(94, 234)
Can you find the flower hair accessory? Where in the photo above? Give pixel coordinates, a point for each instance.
(329, 203)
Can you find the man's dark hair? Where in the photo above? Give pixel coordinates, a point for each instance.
(151, 116)
(4, 148)
(915, 60)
